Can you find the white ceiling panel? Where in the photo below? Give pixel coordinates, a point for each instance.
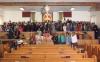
(39, 8)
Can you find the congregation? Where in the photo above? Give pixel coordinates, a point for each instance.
(15, 28)
(48, 31)
(63, 38)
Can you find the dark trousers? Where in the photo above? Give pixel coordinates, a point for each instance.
(74, 45)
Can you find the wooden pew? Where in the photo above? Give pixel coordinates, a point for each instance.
(92, 49)
(82, 42)
(27, 35)
(90, 33)
(1, 50)
(47, 60)
(20, 60)
(44, 55)
(44, 49)
(72, 60)
(3, 35)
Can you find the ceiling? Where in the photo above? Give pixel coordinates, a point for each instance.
(39, 8)
(55, 5)
(49, 0)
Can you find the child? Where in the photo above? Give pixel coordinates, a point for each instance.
(20, 42)
(38, 38)
(47, 37)
(32, 39)
(58, 38)
(62, 38)
(55, 39)
(68, 38)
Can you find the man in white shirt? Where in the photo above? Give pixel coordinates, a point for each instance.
(74, 40)
(64, 28)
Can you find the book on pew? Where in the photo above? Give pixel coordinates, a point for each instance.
(25, 57)
(65, 57)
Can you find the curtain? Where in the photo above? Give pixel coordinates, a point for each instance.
(60, 16)
(67, 14)
(26, 14)
(33, 16)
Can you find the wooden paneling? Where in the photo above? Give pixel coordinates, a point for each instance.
(94, 4)
(49, 3)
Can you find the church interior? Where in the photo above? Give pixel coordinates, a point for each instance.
(49, 30)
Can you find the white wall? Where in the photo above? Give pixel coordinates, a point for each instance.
(1, 17)
(38, 17)
(95, 17)
(14, 16)
(98, 18)
(17, 16)
(80, 16)
(55, 16)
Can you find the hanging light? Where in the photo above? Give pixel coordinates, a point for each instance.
(47, 8)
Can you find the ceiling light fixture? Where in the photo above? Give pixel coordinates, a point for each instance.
(60, 11)
(22, 9)
(72, 9)
(47, 8)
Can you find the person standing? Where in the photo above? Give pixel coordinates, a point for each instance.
(96, 31)
(68, 38)
(17, 34)
(10, 33)
(54, 38)
(74, 40)
(53, 29)
(64, 28)
(62, 38)
(38, 38)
